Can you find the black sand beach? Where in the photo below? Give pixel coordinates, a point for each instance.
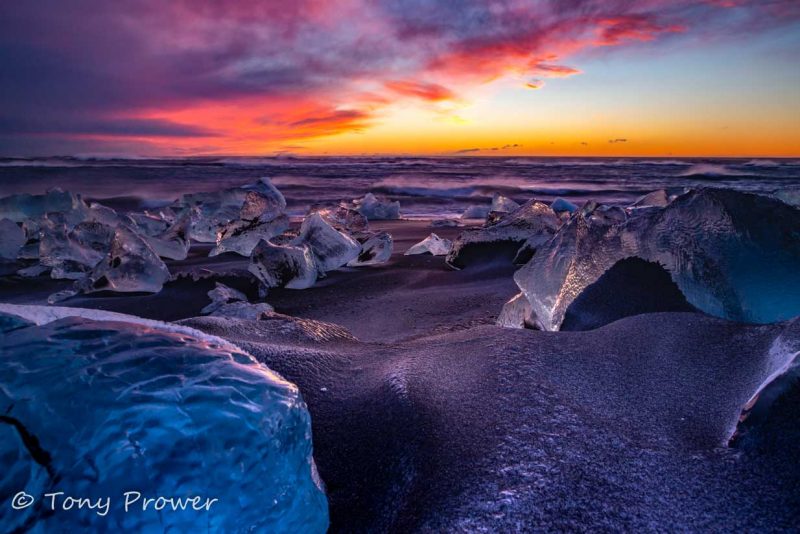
(429, 418)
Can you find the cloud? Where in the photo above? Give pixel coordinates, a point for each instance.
(467, 150)
(534, 84)
(165, 73)
(552, 70)
(618, 140)
(425, 91)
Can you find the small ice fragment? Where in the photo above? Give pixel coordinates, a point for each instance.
(433, 244)
(377, 249)
(60, 296)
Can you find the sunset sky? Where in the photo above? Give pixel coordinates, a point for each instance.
(571, 77)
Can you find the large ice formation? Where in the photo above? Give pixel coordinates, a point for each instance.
(733, 255)
(161, 415)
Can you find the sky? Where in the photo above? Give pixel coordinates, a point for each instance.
(427, 77)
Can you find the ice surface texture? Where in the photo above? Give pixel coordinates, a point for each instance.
(102, 408)
(733, 255)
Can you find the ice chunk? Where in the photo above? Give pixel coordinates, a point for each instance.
(331, 248)
(12, 238)
(24, 206)
(130, 266)
(530, 225)
(476, 212)
(60, 296)
(162, 414)
(656, 198)
(343, 218)
(561, 205)
(73, 253)
(149, 225)
(212, 211)
(374, 208)
(732, 254)
(516, 313)
(288, 266)
(262, 201)
(229, 302)
(433, 244)
(174, 243)
(376, 249)
(502, 204)
(242, 236)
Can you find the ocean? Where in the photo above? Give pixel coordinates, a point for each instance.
(425, 187)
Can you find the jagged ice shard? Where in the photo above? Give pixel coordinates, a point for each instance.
(288, 266)
(130, 266)
(733, 255)
(165, 413)
(331, 248)
(71, 254)
(433, 244)
(374, 250)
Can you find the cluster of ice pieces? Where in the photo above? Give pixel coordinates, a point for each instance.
(102, 250)
(164, 414)
(733, 255)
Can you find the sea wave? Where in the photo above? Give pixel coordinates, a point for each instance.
(712, 170)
